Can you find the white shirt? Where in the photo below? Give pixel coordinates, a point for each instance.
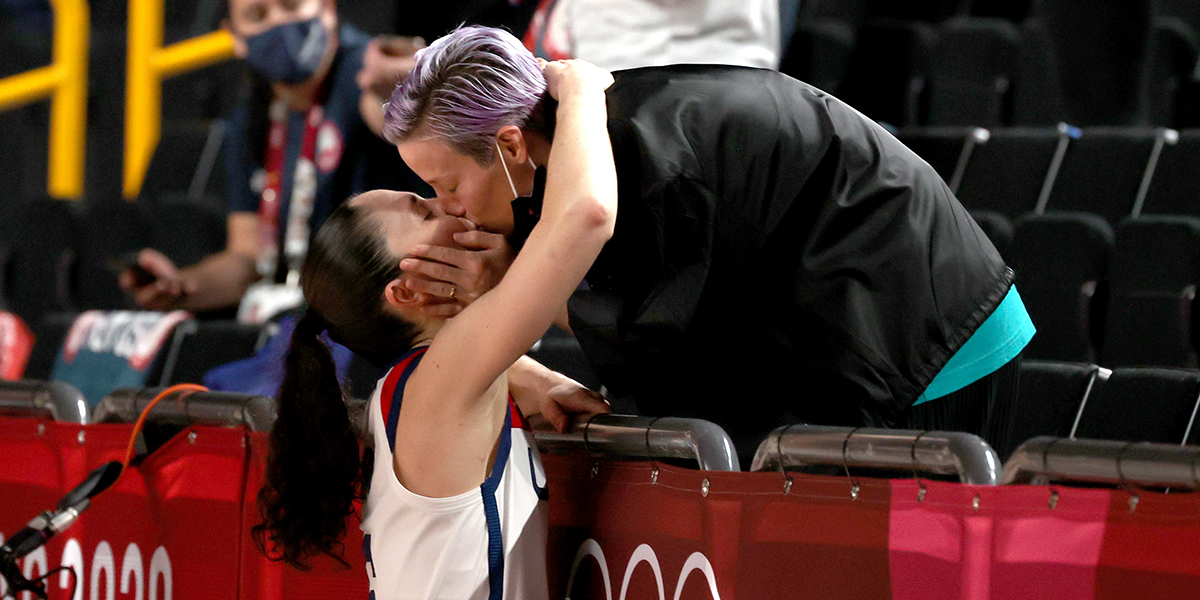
(485, 544)
(624, 34)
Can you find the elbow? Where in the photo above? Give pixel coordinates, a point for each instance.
(599, 216)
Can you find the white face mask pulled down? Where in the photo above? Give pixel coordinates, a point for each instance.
(526, 209)
(508, 175)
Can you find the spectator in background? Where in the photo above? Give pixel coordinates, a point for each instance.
(298, 145)
(623, 34)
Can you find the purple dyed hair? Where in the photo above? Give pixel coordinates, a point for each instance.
(465, 86)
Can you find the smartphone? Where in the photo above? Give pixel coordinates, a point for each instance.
(128, 262)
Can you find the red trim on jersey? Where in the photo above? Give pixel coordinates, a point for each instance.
(518, 418)
(389, 384)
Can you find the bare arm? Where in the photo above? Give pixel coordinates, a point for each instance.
(448, 418)
(217, 281)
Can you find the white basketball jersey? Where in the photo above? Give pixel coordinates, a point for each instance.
(485, 544)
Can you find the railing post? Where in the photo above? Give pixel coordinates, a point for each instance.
(148, 63)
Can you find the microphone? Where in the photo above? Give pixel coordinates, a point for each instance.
(44, 526)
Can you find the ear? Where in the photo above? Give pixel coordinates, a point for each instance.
(239, 45)
(400, 297)
(512, 143)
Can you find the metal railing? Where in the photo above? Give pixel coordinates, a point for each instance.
(1143, 464)
(942, 452)
(625, 436)
(148, 64)
(187, 407)
(37, 399)
(64, 81)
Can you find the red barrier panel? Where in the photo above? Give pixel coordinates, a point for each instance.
(177, 526)
(618, 529)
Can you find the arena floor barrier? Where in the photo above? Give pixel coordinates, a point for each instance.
(177, 526)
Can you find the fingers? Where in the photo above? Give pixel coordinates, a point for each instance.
(556, 416)
(479, 240)
(439, 289)
(432, 270)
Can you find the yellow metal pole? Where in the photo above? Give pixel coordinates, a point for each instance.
(143, 96)
(148, 64)
(28, 87)
(68, 109)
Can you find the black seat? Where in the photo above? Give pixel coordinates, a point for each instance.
(560, 352)
(1062, 261)
(1175, 188)
(819, 53)
(971, 71)
(998, 228)
(1102, 171)
(1174, 50)
(941, 147)
(49, 334)
(201, 345)
(886, 76)
(42, 261)
(187, 162)
(1155, 269)
(1098, 56)
(1005, 174)
(111, 231)
(1048, 401)
(187, 232)
(1141, 404)
(1037, 94)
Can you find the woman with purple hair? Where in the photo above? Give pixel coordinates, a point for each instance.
(778, 257)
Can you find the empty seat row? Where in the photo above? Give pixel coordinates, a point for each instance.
(58, 256)
(1113, 172)
(1124, 299)
(992, 72)
(1086, 401)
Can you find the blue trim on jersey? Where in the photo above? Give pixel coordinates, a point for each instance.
(393, 417)
(998, 340)
(491, 511)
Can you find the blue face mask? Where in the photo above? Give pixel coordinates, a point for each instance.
(288, 53)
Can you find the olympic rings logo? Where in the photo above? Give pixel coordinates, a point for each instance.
(643, 553)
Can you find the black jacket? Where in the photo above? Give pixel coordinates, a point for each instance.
(777, 258)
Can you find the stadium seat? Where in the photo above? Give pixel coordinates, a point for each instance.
(1174, 50)
(999, 229)
(1049, 399)
(1062, 261)
(44, 251)
(201, 345)
(929, 11)
(111, 231)
(1098, 55)
(1012, 10)
(187, 232)
(1102, 171)
(851, 12)
(885, 79)
(49, 335)
(819, 53)
(1037, 95)
(971, 71)
(1187, 11)
(1006, 173)
(559, 351)
(1141, 404)
(1175, 188)
(186, 162)
(1155, 269)
(941, 147)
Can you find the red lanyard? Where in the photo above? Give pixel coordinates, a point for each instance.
(304, 188)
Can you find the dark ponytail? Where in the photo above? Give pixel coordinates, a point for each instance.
(313, 470)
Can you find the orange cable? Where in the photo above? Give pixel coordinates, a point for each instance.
(137, 427)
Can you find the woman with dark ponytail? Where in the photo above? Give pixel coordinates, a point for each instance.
(455, 508)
